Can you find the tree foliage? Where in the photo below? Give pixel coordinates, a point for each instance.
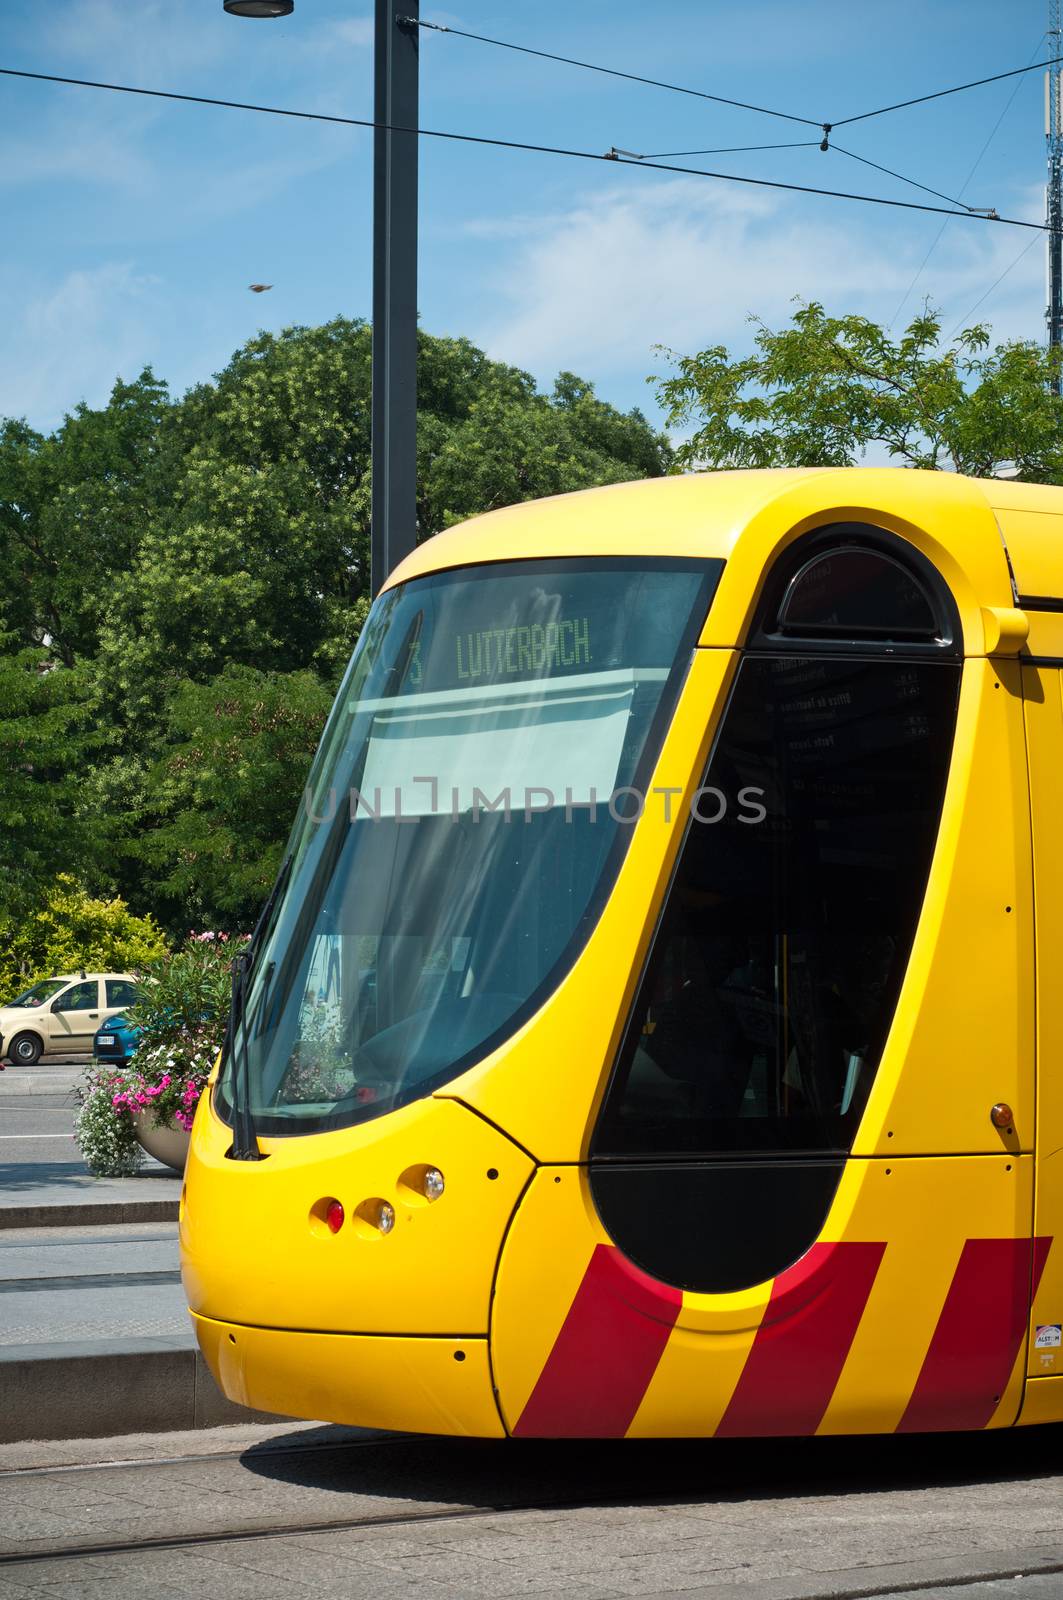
(44, 737)
(825, 390)
(70, 930)
(186, 580)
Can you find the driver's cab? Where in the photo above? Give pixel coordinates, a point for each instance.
(59, 1016)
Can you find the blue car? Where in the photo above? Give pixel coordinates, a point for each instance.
(116, 1040)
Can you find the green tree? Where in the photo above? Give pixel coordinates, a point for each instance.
(225, 793)
(69, 931)
(45, 743)
(262, 551)
(826, 389)
(72, 509)
(197, 572)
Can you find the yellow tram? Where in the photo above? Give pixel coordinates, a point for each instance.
(657, 1027)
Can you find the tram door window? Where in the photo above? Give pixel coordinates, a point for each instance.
(775, 972)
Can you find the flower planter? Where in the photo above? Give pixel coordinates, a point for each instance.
(162, 1140)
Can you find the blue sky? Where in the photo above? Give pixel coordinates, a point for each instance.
(132, 228)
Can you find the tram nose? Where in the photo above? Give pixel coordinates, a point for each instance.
(393, 1226)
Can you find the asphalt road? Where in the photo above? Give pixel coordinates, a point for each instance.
(37, 1128)
(38, 1156)
(324, 1512)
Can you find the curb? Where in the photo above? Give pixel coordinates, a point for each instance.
(88, 1214)
(91, 1389)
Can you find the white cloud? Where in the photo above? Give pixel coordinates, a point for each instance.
(686, 262)
(75, 337)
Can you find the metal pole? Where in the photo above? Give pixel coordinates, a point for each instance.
(1054, 207)
(394, 517)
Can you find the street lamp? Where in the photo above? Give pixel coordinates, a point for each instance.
(394, 400)
(260, 8)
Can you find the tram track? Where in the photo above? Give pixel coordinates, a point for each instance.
(459, 1484)
(878, 1585)
(288, 1530)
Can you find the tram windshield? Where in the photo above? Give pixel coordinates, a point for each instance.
(463, 824)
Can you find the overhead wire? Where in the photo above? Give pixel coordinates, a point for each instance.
(719, 150)
(995, 284)
(808, 144)
(989, 211)
(994, 130)
(701, 94)
(611, 72)
(940, 94)
(519, 144)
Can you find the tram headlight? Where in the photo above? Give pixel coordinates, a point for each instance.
(420, 1185)
(385, 1217)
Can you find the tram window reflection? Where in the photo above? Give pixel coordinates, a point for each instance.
(423, 919)
(781, 954)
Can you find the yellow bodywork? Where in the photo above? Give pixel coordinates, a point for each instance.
(468, 1318)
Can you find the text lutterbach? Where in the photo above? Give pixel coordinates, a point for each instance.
(528, 648)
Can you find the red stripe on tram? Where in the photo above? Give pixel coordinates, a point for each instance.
(803, 1341)
(978, 1335)
(605, 1355)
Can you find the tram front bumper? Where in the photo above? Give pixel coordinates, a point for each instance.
(408, 1385)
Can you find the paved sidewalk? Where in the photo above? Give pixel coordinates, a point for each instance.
(94, 1333)
(95, 1337)
(43, 1180)
(60, 1285)
(61, 1193)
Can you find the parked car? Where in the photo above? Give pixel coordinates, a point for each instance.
(60, 1016)
(116, 1041)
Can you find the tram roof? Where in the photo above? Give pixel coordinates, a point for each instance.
(748, 515)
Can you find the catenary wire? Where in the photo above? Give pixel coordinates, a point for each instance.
(611, 72)
(974, 210)
(807, 144)
(720, 150)
(701, 94)
(519, 144)
(963, 190)
(996, 281)
(939, 94)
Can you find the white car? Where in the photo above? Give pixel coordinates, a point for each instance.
(59, 1016)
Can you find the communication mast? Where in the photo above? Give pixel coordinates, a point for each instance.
(1054, 207)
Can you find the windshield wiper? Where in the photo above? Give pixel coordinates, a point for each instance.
(245, 1146)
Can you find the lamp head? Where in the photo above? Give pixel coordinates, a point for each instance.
(259, 8)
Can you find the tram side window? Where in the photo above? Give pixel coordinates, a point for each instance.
(775, 974)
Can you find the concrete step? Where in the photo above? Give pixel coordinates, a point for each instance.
(93, 1388)
(45, 1184)
(95, 1337)
(82, 1212)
